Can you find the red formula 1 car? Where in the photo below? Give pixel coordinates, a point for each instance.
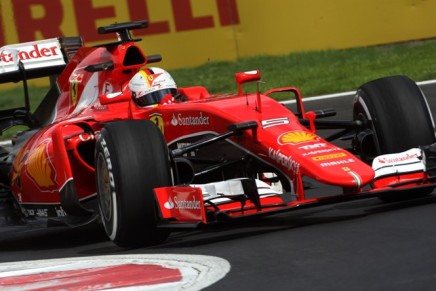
(190, 159)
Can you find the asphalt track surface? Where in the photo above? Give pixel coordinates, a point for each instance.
(361, 245)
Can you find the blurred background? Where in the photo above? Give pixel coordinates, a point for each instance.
(189, 33)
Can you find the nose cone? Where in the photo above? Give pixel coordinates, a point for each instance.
(348, 172)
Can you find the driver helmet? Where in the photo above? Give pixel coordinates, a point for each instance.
(150, 85)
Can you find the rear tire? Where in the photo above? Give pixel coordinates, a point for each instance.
(131, 160)
(396, 118)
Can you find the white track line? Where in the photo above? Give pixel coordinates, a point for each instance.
(350, 93)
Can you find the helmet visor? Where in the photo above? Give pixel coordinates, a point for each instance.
(154, 97)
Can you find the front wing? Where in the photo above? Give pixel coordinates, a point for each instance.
(196, 205)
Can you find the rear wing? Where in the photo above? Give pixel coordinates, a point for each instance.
(36, 59)
(30, 60)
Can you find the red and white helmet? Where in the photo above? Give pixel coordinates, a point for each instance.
(150, 85)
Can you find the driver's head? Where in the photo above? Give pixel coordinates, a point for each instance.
(150, 85)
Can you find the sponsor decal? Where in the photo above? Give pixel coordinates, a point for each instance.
(296, 137)
(317, 149)
(397, 158)
(311, 153)
(11, 54)
(399, 163)
(286, 161)
(39, 167)
(113, 95)
(181, 145)
(329, 157)
(109, 164)
(100, 107)
(274, 122)
(157, 119)
(75, 80)
(60, 212)
(29, 212)
(337, 163)
(190, 120)
(313, 146)
(42, 212)
(74, 89)
(189, 203)
(181, 203)
(17, 165)
(169, 204)
(108, 88)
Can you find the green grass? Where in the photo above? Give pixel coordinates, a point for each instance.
(314, 73)
(14, 97)
(320, 72)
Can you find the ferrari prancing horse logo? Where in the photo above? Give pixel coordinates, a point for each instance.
(74, 89)
(157, 119)
(75, 80)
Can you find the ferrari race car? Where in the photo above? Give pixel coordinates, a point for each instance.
(91, 154)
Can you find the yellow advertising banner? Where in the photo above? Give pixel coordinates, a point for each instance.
(192, 32)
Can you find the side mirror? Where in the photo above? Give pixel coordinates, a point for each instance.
(114, 97)
(245, 77)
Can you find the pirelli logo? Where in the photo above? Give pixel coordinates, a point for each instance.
(329, 157)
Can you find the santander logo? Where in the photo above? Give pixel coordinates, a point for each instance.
(386, 160)
(35, 52)
(169, 204)
(183, 204)
(181, 120)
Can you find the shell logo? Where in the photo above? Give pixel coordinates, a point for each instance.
(296, 137)
(38, 167)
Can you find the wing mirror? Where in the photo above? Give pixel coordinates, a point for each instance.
(245, 77)
(114, 97)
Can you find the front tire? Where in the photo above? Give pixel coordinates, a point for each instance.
(131, 160)
(396, 117)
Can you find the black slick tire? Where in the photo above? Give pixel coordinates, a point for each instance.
(398, 117)
(131, 160)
